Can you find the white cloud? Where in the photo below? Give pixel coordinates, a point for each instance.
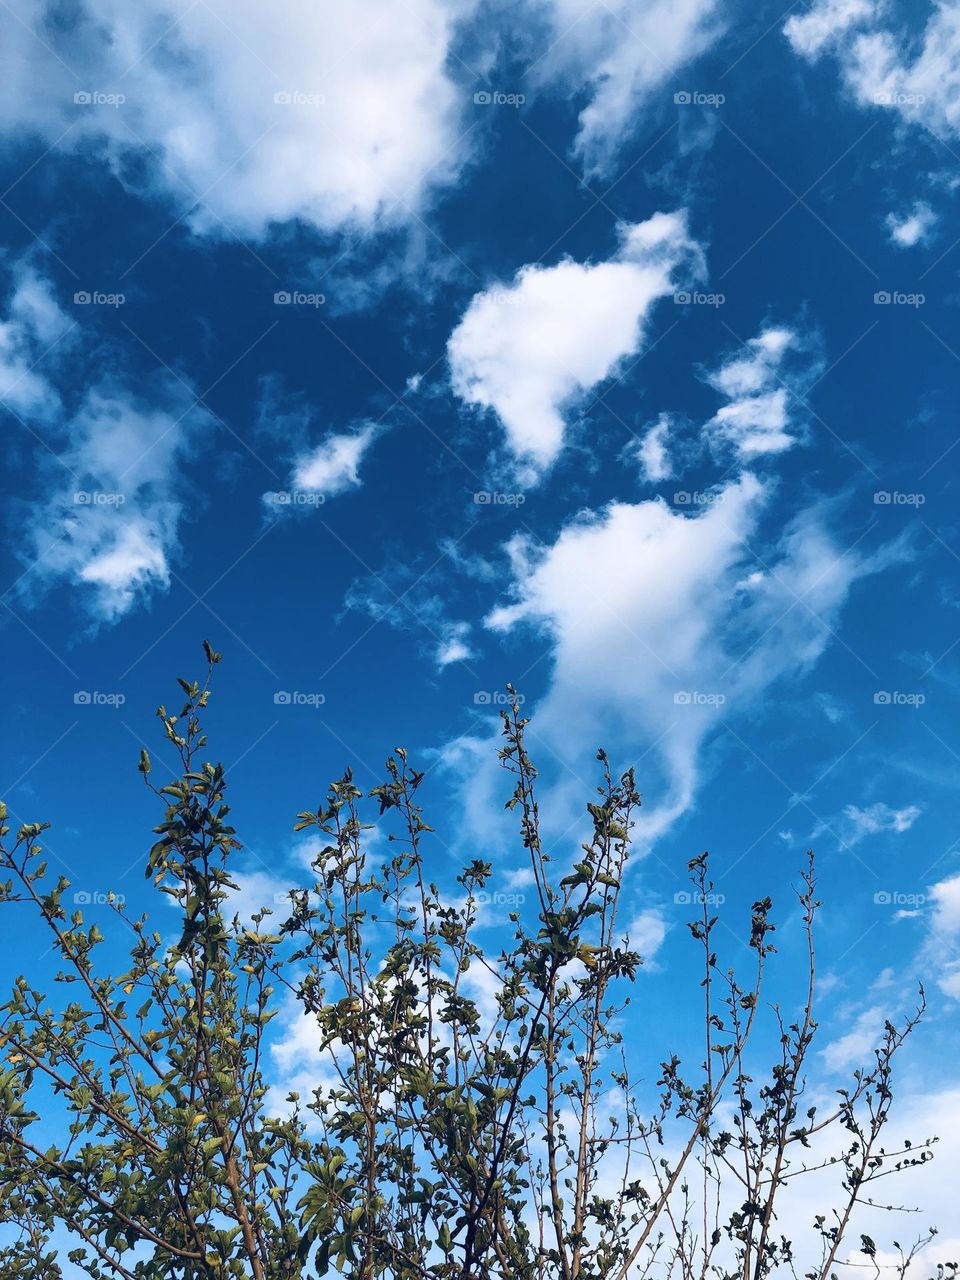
(761, 394)
(339, 116)
(375, 107)
(520, 878)
(334, 465)
(813, 30)
(915, 227)
(454, 646)
(939, 953)
(622, 54)
(109, 517)
(646, 933)
(918, 77)
(946, 898)
(34, 324)
(659, 631)
(854, 1049)
(399, 596)
(301, 1062)
(652, 452)
(531, 349)
(857, 823)
(114, 526)
(922, 1114)
(367, 124)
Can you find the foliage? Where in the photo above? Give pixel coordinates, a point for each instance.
(475, 1116)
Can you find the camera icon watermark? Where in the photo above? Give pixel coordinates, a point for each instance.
(694, 98)
(98, 298)
(295, 98)
(298, 298)
(694, 898)
(295, 498)
(499, 899)
(493, 498)
(497, 698)
(503, 297)
(894, 698)
(697, 698)
(97, 498)
(695, 298)
(894, 898)
(97, 98)
(895, 98)
(94, 698)
(897, 298)
(894, 498)
(494, 98)
(294, 698)
(686, 498)
(98, 898)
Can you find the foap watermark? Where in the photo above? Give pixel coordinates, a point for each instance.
(897, 98)
(493, 498)
(98, 298)
(496, 98)
(894, 498)
(697, 698)
(298, 298)
(694, 898)
(295, 498)
(695, 98)
(894, 698)
(296, 98)
(894, 898)
(497, 698)
(98, 898)
(898, 298)
(94, 698)
(499, 899)
(98, 98)
(503, 297)
(98, 498)
(686, 498)
(695, 298)
(294, 698)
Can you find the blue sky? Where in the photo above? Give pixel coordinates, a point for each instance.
(609, 349)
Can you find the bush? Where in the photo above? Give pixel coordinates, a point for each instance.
(449, 1136)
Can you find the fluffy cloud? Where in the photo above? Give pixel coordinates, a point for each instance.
(761, 392)
(646, 933)
(652, 452)
(454, 646)
(915, 227)
(876, 61)
(114, 525)
(531, 349)
(822, 26)
(855, 1047)
(333, 114)
(336, 115)
(662, 624)
(111, 511)
(621, 53)
(334, 466)
(946, 897)
(940, 952)
(34, 323)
